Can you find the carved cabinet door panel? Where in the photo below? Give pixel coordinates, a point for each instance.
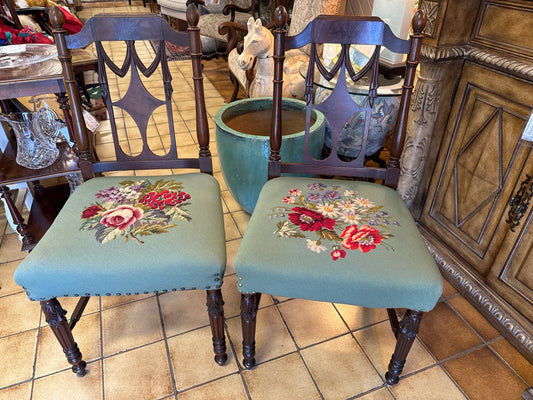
(480, 164)
(512, 272)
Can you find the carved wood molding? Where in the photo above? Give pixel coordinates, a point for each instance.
(438, 54)
(486, 301)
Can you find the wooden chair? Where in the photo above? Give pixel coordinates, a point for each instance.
(338, 240)
(124, 234)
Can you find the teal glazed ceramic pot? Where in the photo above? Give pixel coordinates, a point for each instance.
(244, 156)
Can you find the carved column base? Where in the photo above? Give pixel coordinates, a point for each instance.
(55, 316)
(249, 306)
(215, 309)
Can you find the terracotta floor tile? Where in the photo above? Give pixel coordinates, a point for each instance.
(65, 385)
(130, 325)
(333, 361)
(474, 318)
(10, 249)
(231, 250)
(231, 228)
(50, 357)
(183, 311)
(192, 359)
(475, 370)
(18, 352)
(516, 360)
(18, 392)
(445, 334)
(231, 296)
(432, 383)
(7, 283)
(312, 321)
(23, 313)
(143, 373)
(113, 301)
(449, 290)
(283, 378)
(380, 394)
(272, 338)
(378, 342)
(228, 388)
(241, 219)
(359, 317)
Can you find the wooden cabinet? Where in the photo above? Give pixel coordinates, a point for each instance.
(480, 167)
(469, 112)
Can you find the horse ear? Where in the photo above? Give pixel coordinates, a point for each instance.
(258, 25)
(250, 23)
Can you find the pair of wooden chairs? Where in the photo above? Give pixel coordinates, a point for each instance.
(346, 241)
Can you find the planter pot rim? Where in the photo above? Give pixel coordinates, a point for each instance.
(318, 116)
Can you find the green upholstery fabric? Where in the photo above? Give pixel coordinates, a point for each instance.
(274, 256)
(72, 262)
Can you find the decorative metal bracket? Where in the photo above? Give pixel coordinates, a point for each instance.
(520, 202)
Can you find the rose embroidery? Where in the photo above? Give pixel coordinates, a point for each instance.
(347, 220)
(121, 217)
(136, 209)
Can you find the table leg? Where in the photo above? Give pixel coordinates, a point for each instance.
(22, 228)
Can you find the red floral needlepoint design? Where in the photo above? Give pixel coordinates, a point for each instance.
(136, 209)
(349, 221)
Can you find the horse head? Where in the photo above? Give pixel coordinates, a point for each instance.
(258, 42)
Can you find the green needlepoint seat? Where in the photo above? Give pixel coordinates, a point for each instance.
(283, 258)
(162, 256)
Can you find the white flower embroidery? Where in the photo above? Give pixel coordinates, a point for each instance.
(314, 246)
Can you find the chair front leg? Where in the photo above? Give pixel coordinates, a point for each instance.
(215, 309)
(408, 330)
(249, 306)
(55, 317)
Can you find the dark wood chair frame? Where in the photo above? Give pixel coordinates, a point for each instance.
(345, 30)
(129, 28)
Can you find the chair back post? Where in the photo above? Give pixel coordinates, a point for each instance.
(274, 160)
(13, 13)
(393, 166)
(57, 19)
(202, 128)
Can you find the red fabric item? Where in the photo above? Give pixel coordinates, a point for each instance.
(14, 36)
(72, 24)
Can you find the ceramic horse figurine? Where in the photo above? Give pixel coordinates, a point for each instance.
(259, 43)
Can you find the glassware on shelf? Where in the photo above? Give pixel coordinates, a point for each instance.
(36, 133)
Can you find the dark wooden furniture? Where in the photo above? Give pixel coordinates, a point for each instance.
(48, 200)
(356, 271)
(39, 78)
(467, 165)
(160, 246)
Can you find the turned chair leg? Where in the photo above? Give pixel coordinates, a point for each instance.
(215, 309)
(249, 306)
(408, 329)
(55, 317)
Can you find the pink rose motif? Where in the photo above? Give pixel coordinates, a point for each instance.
(364, 239)
(121, 217)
